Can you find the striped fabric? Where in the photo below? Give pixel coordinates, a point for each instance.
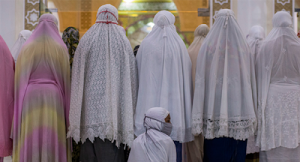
(42, 96)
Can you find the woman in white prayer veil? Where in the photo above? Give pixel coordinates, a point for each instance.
(23, 36)
(193, 151)
(254, 38)
(155, 145)
(165, 79)
(278, 80)
(223, 108)
(103, 90)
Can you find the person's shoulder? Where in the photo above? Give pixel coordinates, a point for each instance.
(138, 141)
(166, 139)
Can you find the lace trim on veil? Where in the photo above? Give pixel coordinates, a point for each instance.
(103, 131)
(239, 130)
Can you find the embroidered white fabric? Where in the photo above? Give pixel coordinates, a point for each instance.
(225, 80)
(104, 83)
(278, 84)
(165, 77)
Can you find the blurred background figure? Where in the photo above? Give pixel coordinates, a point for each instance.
(136, 49)
(23, 36)
(71, 39)
(194, 150)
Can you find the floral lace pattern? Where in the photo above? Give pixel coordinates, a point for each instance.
(280, 119)
(238, 129)
(104, 86)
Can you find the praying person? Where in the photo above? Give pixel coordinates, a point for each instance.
(155, 145)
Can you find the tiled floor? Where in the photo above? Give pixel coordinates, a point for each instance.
(7, 159)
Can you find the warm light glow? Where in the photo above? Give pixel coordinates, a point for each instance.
(128, 1)
(134, 15)
(151, 24)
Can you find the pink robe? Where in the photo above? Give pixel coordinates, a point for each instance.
(42, 97)
(6, 99)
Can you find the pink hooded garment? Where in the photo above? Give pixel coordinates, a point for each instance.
(42, 97)
(6, 99)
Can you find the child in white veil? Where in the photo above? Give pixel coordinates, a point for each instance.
(155, 145)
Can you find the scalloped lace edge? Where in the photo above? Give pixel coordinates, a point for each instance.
(239, 130)
(91, 134)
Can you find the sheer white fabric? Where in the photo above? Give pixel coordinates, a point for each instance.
(153, 146)
(223, 99)
(254, 39)
(23, 36)
(278, 80)
(104, 83)
(165, 79)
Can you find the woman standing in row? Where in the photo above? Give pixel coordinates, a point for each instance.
(104, 86)
(223, 107)
(278, 80)
(42, 97)
(71, 39)
(194, 150)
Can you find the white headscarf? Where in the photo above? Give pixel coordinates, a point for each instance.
(23, 36)
(153, 145)
(104, 83)
(278, 84)
(223, 101)
(200, 34)
(165, 79)
(254, 39)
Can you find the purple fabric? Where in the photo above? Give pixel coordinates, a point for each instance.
(42, 96)
(6, 98)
